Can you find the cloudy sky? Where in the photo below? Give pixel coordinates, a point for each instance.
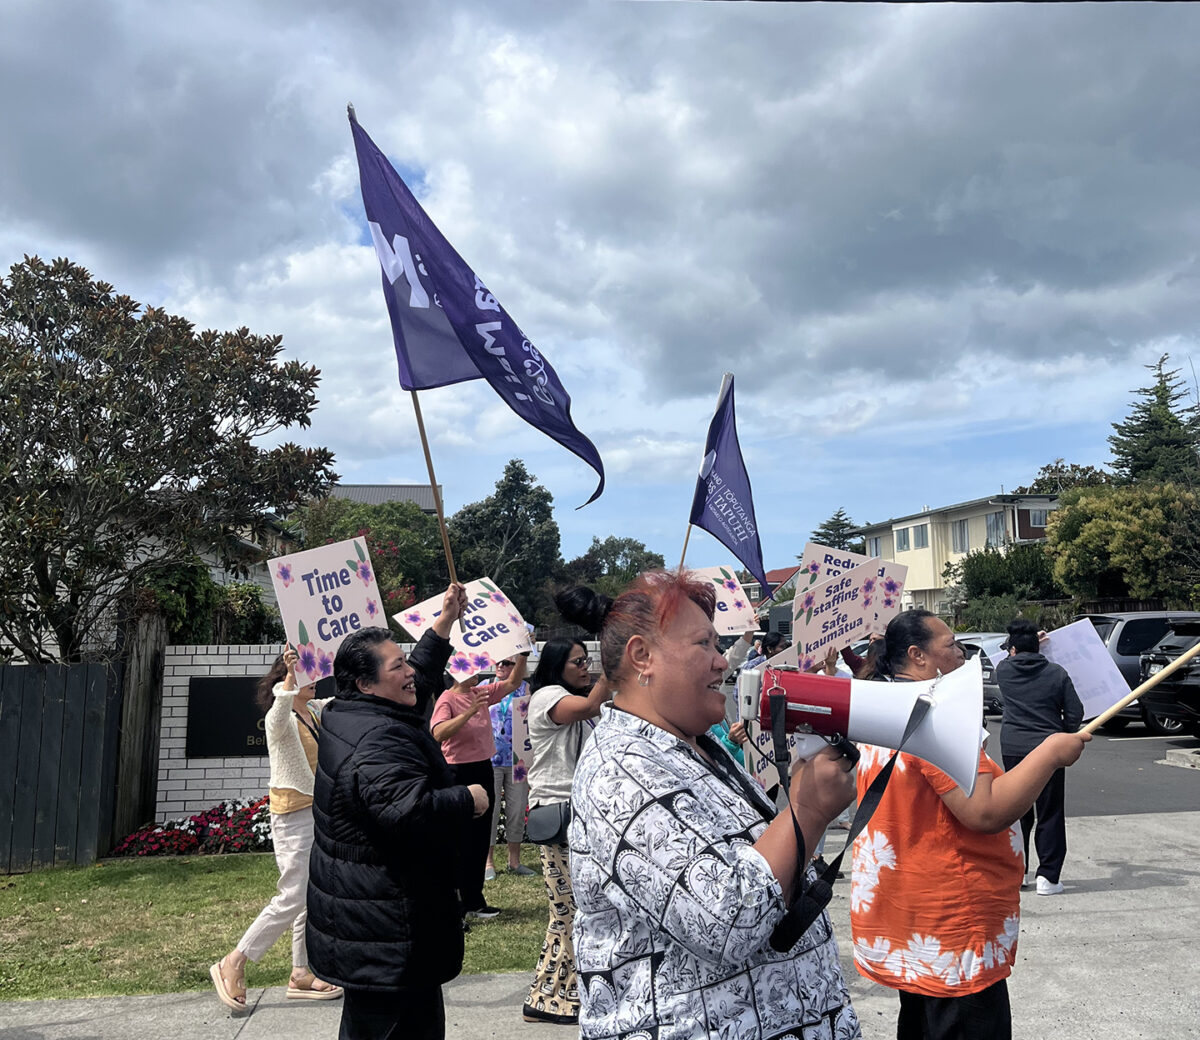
(935, 244)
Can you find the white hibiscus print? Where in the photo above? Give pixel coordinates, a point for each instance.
(872, 852)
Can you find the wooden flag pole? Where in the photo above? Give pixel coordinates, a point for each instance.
(683, 555)
(1154, 680)
(433, 485)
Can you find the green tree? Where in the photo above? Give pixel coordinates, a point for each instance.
(512, 537)
(131, 442)
(610, 565)
(1024, 570)
(404, 543)
(1160, 440)
(1058, 476)
(835, 532)
(1140, 540)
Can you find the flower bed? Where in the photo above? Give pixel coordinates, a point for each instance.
(232, 826)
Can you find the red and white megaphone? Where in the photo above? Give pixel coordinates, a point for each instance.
(949, 736)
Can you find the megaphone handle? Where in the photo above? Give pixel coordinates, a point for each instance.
(846, 747)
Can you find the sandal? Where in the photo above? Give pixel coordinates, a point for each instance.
(309, 987)
(232, 995)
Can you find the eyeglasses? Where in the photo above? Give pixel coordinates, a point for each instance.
(581, 662)
(504, 664)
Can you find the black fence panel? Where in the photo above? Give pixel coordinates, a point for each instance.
(58, 749)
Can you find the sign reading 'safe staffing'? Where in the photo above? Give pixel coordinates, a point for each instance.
(325, 594)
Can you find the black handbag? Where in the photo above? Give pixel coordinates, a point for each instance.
(547, 824)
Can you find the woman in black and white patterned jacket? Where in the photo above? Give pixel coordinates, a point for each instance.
(682, 867)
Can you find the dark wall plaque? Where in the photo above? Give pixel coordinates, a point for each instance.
(223, 720)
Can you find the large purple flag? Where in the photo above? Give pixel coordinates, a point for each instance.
(447, 327)
(723, 504)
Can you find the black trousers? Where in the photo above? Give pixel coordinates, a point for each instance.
(472, 855)
(985, 1015)
(408, 1014)
(1050, 835)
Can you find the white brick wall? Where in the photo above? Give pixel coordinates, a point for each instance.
(187, 786)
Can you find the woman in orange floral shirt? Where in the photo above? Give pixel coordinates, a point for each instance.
(935, 899)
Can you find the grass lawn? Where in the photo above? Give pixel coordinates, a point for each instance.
(154, 925)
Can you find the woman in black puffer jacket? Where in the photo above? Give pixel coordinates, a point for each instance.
(383, 913)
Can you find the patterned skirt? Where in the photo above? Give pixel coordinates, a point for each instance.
(554, 987)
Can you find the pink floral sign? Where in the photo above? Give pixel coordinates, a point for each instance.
(324, 594)
(734, 614)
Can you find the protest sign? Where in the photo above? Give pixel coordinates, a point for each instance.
(522, 749)
(492, 628)
(324, 594)
(734, 614)
(820, 563)
(1094, 674)
(842, 610)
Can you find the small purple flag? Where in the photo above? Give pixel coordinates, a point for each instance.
(446, 326)
(723, 504)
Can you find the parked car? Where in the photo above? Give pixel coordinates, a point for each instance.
(1177, 698)
(989, 644)
(1128, 636)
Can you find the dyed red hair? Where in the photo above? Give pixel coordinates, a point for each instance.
(646, 608)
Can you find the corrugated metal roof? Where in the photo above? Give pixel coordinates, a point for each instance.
(377, 494)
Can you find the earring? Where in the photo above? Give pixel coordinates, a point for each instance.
(643, 680)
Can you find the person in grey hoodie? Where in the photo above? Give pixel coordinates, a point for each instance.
(1039, 699)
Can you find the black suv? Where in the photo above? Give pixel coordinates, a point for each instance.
(1128, 636)
(1177, 698)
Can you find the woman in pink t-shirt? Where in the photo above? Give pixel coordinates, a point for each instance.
(463, 726)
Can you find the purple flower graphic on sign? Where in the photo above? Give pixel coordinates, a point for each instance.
(739, 604)
(413, 619)
(284, 573)
(806, 662)
(372, 608)
(364, 571)
(814, 570)
(891, 586)
(518, 770)
(459, 663)
(498, 597)
(866, 601)
(324, 663)
(810, 598)
(868, 586)
(480, 661)
(307, 658)
(515, 620)
(731, 585)
(889, 601)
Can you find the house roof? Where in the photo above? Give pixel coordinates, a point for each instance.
(999, 500)
(377, 494)
(781, 574)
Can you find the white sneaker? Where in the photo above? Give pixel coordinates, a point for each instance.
(1046, 887)
(1027, 880)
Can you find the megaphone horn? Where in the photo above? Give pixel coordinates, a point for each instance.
(948, 737)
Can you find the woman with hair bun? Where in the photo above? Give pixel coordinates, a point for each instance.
(683, 868)
(563, 703)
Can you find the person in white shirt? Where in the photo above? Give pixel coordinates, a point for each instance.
(291, 725)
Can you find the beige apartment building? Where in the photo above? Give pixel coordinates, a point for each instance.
(926, 541)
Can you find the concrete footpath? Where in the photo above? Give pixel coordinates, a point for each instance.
(1116, 956)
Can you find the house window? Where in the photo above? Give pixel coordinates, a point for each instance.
(958, 536)
(873, 547)
(902, 539)
(920, 536)
(1037, 517)
(995, 530)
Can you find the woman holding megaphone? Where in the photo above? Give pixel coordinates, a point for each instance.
(935, 898)
(682, 867)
